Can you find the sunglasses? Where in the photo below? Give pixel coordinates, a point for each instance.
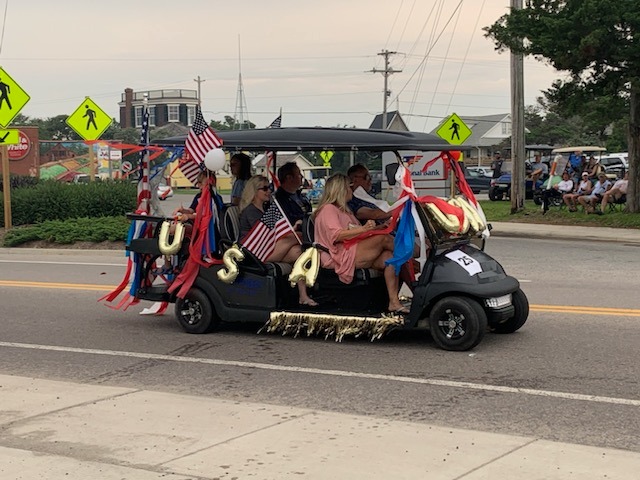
(266, 188)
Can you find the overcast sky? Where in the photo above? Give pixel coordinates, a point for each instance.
(308, 57)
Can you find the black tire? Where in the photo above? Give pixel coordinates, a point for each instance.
(521, 306)
(457, 323)
(195, 313)
(494, 195)
(537, 199)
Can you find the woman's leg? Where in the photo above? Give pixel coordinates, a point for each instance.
(287, 251)
(373, 252)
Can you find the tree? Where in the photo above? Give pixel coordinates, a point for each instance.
(597, 42)
(230, 123)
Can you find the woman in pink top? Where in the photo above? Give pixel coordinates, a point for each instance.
(335, 223)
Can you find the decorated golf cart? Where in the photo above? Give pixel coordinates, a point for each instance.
(458, 292)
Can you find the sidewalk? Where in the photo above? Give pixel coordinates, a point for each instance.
(53, 430)
(565, 232)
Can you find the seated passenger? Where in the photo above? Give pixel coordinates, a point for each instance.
(589, 201)
(240, 166)
(616, 193)
(188, 215)
(335, 223)
(540, 169)
(558, 190)
(360, 177)
(294, 204)
(255, 197)
(584, 188)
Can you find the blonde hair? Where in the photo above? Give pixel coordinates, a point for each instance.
(250, 190)
(336, 190)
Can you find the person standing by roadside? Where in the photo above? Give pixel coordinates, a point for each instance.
(496, 165)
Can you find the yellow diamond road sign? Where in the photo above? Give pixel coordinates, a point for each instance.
(454, 130)
(89, 120)
(9, 137)
(12, 98)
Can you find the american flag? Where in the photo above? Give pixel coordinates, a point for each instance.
(200, 140)
(277, 122)
(261, 239)
(144, 189)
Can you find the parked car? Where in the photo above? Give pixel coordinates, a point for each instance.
(164, 192)
(483, 171)
(501, 187)
(376, 183)
(84, 178)
(477, 181)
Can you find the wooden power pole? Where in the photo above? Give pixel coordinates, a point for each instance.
(517, 127)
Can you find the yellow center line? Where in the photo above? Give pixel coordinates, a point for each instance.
(573, 309)
(56, 285)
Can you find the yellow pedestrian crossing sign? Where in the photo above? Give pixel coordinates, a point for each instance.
(89, 120)
(326, 156)
(9, 137)
(12, 98)
(454, 130)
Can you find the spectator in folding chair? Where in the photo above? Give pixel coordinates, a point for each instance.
(584, 188)
(617, 194)
(591, 200)
(558, 190)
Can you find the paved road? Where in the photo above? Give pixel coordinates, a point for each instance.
(578, 367)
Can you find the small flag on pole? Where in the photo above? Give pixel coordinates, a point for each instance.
(144, 189)
(261, 239)
(277, 122)
(200, 140)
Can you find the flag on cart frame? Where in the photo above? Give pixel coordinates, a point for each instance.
(144, 189)
(200, 140)
(261, 239)
(276, 123)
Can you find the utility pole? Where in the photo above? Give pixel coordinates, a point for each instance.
(517, 127)
(386, 72)
(198, 81)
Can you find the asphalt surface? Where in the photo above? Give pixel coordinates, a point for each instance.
(90, 391)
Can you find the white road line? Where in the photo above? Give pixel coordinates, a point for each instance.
(334, 373)
(66, 263)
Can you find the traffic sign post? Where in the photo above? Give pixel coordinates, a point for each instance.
(454, 130)
(326, 156)
(9, 137)
(12, 99)
(89, 121)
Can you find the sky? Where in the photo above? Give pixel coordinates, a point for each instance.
(312, 59)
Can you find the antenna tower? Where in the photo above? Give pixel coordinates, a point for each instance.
(241, 114)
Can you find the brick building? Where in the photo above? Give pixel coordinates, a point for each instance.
(165, 106)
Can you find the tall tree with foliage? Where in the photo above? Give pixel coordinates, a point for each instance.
(597, 42)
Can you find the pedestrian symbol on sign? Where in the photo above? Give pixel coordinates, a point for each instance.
(91, 117)
(454, 126)
(5, 90)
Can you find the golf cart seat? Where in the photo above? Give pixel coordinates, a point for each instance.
(327, 276)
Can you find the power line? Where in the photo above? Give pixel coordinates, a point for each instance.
(4, 24)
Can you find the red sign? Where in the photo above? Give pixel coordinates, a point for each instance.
(21, 150)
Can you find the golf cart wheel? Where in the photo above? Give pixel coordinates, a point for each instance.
(494, 196)
(195, 313)
(521, 307)
(457, 323)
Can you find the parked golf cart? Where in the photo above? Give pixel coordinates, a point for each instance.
(461, 293)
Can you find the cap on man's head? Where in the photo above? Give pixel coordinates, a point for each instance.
(585, 174)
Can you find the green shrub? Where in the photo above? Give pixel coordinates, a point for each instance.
(19, 181)
(110, 229)
(51, 200)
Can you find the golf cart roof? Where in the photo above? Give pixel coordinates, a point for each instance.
(579, 149)
(315, 138)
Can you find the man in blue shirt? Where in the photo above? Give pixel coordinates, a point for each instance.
(360, 177)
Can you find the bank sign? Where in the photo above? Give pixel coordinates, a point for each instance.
(427, 180)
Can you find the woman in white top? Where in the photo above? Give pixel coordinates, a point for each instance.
(558, 190)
